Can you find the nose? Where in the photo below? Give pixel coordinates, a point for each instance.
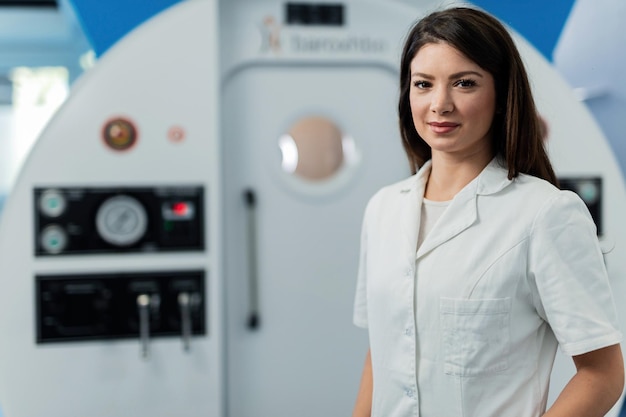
(441, 101)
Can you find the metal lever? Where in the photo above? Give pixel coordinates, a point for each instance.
(143, 305)
(185, 318)
(187, 302)
(254, 319)
(147, 305)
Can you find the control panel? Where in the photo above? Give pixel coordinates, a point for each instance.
(100, 220)
(589, 189)
(120, 306)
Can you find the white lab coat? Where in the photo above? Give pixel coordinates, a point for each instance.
(510, 270)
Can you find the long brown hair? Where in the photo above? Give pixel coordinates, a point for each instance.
(516, 130)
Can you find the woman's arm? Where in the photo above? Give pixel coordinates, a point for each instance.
(595, 388)
(363, 407)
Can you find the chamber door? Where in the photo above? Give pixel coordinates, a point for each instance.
(304, 148)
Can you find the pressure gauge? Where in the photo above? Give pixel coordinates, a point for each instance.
(121, 220)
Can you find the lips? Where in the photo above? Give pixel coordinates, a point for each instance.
(442, 127)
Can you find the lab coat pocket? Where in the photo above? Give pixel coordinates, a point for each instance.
(475, 335)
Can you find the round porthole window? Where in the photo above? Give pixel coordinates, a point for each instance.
(316, 152)
(312, 149)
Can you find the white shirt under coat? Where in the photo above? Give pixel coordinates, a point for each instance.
(511, 270)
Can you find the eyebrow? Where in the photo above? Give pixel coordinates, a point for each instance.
(455, 75)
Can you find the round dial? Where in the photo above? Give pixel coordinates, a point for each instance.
(53, 239)
(121, 220)
(52, 203)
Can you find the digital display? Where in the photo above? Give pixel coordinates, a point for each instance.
(315, 14)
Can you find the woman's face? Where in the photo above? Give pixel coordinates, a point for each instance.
(453, 102)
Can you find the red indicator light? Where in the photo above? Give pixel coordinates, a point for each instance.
(180, 209)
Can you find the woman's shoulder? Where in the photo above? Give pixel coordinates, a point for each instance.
(394, 193)
(553, 204)
(398, 188)
(531, 184)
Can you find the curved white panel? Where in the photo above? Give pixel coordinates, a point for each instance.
(163, 77)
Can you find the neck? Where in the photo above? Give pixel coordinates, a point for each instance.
(448, 175)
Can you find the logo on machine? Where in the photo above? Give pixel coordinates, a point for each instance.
(273, 37)
(336, 44)
(270, 35)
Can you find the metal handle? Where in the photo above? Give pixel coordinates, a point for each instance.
(143, 305)
(254, 319)
(185, 319)
(147, 305)
(187, 303)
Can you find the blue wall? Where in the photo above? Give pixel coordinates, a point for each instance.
(105, 22)
(539, 21)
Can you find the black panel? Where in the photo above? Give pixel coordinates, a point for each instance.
(104, 306)
(29, 3)
(309, 14)
(590, 191)
(77, 221)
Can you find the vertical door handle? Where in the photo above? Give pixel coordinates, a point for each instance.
(254, 318)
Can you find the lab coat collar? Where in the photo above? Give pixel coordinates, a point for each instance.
(460, 214)
(493, 178)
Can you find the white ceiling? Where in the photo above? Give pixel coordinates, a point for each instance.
(40, 36)
(38, 24)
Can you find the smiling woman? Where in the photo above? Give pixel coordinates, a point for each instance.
(487, 267)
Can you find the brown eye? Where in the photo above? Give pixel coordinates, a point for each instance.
(465, 83)
(421, 84)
